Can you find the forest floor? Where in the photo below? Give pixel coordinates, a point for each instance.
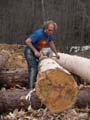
(17, 60)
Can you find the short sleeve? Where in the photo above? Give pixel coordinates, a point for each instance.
(34, 37)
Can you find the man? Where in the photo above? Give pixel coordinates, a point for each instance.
(34, 43)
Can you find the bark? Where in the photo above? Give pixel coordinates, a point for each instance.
(14, 77)
(11, 99)
(15, 98)
(4, 55)
(83, 99)
(55, 86)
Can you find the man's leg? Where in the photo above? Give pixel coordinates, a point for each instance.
(32, 68)
(32, 77)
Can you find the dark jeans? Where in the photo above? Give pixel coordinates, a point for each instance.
(32, 63)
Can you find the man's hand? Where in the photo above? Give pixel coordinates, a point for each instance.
(57, 56)
(37, 54)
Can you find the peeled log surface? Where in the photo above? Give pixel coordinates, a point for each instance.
(4, 55)
(12, 78)
(75, 64)
(55, 86)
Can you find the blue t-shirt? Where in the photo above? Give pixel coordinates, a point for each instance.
(40, 39)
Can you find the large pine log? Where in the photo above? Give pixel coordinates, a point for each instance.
(4, 55)
(13, 77)
(55, 86)
(77, 65)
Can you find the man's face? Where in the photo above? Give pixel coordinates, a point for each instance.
(50, 29)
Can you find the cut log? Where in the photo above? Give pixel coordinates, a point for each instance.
(75, 64)
(11, 99)
(55, 86)
(15, 98)
(4, 55)
(12, 78)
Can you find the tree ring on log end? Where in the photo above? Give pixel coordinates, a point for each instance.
(56, 89)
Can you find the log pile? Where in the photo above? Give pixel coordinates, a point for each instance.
(13, 65)
(56, 87)
(15, 98)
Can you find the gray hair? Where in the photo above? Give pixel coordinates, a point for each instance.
(46, 23)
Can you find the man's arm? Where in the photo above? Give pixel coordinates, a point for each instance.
(52, 46)
(29, 43)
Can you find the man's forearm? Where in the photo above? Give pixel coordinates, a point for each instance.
(52, 46)
(29, 43)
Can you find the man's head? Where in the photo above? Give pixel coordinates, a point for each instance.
(49, 27)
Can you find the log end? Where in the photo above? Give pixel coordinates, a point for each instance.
(56, 89)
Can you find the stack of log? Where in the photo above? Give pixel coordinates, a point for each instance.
(13, 67)
(56, 87)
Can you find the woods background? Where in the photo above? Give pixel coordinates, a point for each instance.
(18, 19)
